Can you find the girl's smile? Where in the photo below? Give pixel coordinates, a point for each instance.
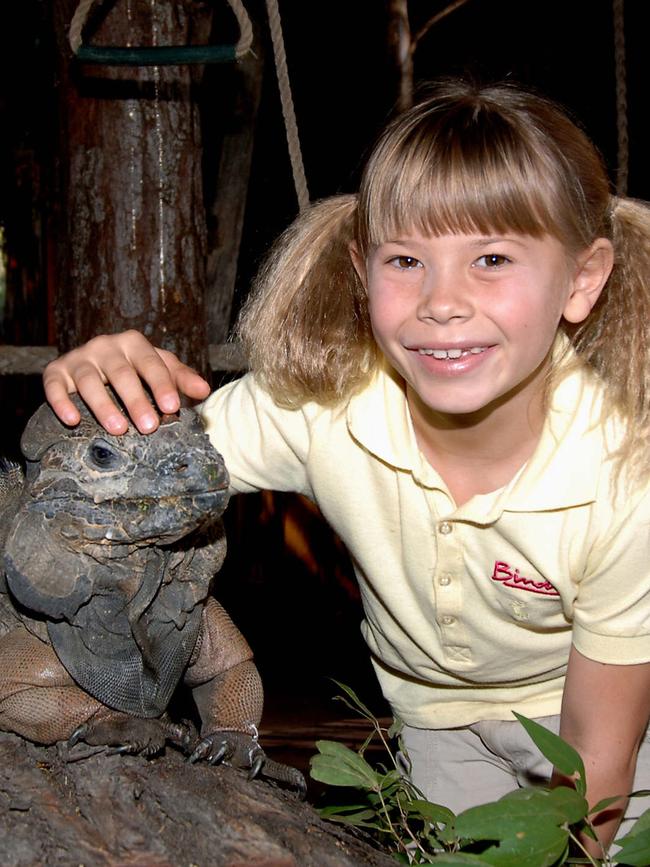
(452, 361)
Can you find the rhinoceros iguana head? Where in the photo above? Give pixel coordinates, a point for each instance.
(87, 491)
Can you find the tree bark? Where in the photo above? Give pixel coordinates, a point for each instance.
(110, 810)
(226, 213)
(132, 229)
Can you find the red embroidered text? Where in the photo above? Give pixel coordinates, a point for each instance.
(511, 578)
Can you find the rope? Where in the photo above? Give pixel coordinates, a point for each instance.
(163, 54)
(288, 112)
(245, 28)
(621, 98)
(77, 24)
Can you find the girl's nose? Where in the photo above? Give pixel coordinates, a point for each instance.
(443, 298)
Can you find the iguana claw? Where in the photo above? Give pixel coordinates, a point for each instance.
(241, 750)
(132, 735)
(230, 747)
(222, 754)
(77, 735)
(256, 767)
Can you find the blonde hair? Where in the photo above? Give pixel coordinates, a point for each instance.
(466, 159)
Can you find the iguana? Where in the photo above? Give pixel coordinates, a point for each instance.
(110, 546)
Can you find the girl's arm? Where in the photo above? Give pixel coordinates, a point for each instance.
(125, 361)
(605, 711)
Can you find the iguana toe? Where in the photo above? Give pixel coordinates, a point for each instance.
(77, 735)
(124, 734)
(234, 748)
(241, 750)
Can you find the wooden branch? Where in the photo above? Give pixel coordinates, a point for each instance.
(25, 359)
(452, 7)
(33, 359)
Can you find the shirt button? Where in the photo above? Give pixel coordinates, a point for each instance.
(445, 528)
(447, 620)
(445, 580)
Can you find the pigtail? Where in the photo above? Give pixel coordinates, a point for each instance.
(306, 328)
(615, 338)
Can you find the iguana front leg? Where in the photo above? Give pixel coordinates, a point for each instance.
(228, 693)
(40, 701)
(38, 698)
(225, 683)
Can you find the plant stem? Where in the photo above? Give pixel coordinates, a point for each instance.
(579, 844)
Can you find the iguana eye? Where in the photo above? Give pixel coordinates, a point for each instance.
(102, 455)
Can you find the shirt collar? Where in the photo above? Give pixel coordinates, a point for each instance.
(562, 472)
(379, 419)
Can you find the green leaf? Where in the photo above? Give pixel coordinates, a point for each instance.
(433, 813)
(606, 802)
(569, 803)
(507, 817)
(641, 824)
(557, 751)
(527, 826)
(396, 728)
(341, 809)
(355, 702)
(534, 846)
(390, 779)
(635, 849)
(451, 860)
(337, 765)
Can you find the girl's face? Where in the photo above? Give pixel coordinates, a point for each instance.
(468, 320)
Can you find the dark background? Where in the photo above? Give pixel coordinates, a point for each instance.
(344, 90)
(304, 630)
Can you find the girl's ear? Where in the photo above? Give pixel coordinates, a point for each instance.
(592, 269)
(359, 264)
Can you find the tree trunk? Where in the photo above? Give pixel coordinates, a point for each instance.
(401, 51)
(110, 810)
(132, 231)
(227, 210)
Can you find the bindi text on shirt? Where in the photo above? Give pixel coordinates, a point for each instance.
(511, 578)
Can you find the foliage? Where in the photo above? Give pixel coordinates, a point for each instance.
(537, 827)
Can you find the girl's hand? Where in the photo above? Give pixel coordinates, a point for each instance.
(125, 361)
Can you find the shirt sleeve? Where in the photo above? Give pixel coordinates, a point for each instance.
(265, 446)
(612, 609)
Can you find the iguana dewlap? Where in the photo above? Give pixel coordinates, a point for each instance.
(110, 546)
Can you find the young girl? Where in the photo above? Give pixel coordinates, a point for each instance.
(454, 365)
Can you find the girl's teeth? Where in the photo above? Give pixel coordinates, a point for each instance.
(452, 353)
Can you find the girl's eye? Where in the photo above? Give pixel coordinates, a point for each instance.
(492, 260)
(405, 263)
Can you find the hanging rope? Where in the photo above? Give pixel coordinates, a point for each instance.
(288, 112)
(160, 55)
(621, 98)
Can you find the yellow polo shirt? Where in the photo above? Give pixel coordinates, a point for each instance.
(469, 612)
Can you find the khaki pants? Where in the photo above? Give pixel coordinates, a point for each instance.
(465, 767)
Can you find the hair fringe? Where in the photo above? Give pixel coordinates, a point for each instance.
(305, 327)
(615, 338)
